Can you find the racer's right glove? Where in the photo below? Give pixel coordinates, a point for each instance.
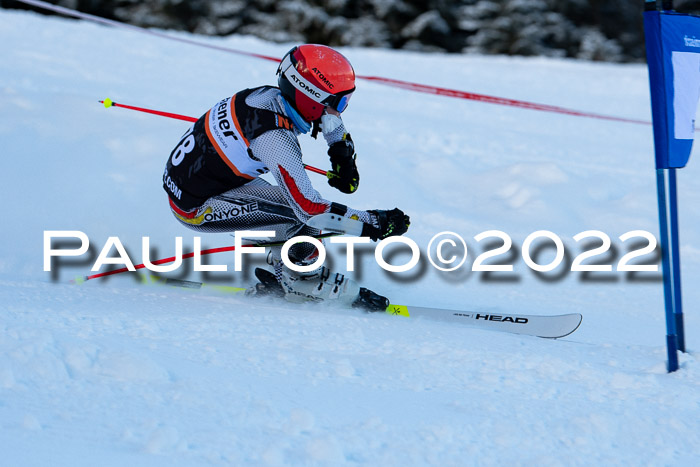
(390, 223)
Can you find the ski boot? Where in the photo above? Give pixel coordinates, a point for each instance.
(304, 288)
(319, 285)
(370, 301)
(328, 287)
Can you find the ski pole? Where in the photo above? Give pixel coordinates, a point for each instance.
(80, 280)
(110, 103)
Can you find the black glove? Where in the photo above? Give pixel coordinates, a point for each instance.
(393, 222)
(343, 174)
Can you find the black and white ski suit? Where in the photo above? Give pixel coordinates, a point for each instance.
(212, 175)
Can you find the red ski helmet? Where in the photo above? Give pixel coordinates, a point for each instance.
(312, 77)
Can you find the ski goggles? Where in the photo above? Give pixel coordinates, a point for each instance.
(337, 101)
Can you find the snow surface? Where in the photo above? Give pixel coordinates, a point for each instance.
(113, 372)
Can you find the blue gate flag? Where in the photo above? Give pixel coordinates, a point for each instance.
(673, 57)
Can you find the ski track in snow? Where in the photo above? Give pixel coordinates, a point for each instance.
(235, 383)
(115, 373)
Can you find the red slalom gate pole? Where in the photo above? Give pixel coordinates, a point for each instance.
(109, 103)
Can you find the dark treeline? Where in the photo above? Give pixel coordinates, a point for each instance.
(607, 30)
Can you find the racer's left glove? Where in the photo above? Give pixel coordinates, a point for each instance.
(343, 174)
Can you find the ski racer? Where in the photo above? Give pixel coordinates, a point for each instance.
(212, 175)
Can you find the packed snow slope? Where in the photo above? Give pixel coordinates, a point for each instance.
(114, 372)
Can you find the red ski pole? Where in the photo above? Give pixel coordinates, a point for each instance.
(109, 103)
(171, 259)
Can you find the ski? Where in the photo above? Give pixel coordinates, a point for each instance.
(546, 326)
(227, 289)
